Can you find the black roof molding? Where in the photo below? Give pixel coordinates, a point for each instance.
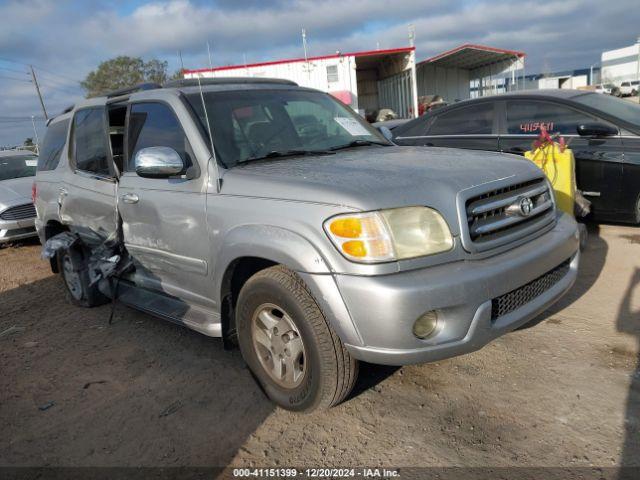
(194, 82)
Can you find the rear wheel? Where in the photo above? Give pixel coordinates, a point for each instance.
(288, 344)
(637, 212)
(75, 274)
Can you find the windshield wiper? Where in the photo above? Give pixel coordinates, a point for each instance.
(288, 153)
(359, 143)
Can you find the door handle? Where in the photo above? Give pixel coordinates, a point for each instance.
(63, 192)
(129, 198)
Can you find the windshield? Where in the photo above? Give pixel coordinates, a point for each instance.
(623, 109)
(254, 124)
(18, 166)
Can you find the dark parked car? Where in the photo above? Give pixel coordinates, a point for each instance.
(603, 132)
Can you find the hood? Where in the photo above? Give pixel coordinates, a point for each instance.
(15, 191)
(371, 178)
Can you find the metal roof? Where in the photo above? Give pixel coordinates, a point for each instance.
(364, 53)
(470, 56)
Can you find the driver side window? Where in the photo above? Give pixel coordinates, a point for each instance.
(153, 124)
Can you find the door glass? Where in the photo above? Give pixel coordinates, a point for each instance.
(154, 124)
(527, 117)
(52, 145)
(90, 141)
(472, 120)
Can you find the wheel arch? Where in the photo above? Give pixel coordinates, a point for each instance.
(249, 249)
(52, 228)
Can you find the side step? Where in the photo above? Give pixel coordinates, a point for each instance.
(170, 308)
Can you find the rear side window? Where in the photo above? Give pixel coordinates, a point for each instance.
(472, 120)
(52, 145)
(415, 128)
(528, 117)
(155, 125)
(90, 141)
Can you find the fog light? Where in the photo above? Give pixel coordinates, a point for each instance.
(425, 324)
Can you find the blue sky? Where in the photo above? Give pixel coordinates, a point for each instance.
(64, 40)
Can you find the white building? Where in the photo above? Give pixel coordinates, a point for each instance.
(621, 65)
(570, 79)
(366, 81)
(376, 79)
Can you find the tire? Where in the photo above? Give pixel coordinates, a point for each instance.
(315, 369)
(76, 281)
(637, 216)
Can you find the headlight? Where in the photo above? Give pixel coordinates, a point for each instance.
(386, 235)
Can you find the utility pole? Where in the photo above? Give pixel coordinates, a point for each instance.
(638, 66)
(209, 55)
(35, 134)
(304, 46)
(414, 73)
(181, 62)
(35, 82)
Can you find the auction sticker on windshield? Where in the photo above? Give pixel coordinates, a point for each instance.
(352, 126)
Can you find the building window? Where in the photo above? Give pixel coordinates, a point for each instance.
(332, 73)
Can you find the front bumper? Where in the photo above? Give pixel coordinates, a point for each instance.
(383, 309)
(11, 230)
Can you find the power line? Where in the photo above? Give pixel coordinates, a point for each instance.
(15, 79)
(58, 75)
(57, 82)
(69, 90)
(40, 68)
(14, 70)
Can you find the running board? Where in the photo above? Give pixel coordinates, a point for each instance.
(170, 308)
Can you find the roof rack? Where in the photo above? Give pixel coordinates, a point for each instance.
(66, 110)
(136, 88)
(194, 82)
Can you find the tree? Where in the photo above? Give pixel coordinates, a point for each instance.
(28, 144)
(121, 72)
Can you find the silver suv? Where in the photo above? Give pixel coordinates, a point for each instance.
(273, 216)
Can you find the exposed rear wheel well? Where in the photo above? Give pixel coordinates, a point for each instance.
(236, 275)
(51, 229)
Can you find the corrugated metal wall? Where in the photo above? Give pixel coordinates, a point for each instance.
(450, 83)
(395, 93)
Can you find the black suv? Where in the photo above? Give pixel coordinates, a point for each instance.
(603, 132)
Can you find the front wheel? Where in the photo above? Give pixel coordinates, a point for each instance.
(288, 344)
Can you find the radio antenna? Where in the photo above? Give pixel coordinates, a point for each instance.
(209, 131)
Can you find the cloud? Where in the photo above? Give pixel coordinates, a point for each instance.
(67, 39)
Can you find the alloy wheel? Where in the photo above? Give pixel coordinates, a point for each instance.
(278, 345)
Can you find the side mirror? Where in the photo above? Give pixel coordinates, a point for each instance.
(158, 162)
(386, 133)
(596, 130)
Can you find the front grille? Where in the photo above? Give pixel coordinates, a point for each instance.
(515, 299)
(21, 212)
(494, 217)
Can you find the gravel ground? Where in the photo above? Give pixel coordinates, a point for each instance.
(75, 391)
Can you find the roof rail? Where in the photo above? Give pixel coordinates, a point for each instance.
(136, 88)
(66, 110)
(194, 82)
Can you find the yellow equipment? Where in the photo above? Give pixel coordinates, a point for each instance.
(558, 164)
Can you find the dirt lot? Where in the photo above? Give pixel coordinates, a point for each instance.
(75, 391)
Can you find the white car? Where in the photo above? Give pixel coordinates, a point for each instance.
(17, 213)
(629, 88)
(608, 88)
